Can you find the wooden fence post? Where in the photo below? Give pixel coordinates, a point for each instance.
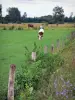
(45, 50)
(33, 56)
(52, 48)
(11, 82)
(58, 45)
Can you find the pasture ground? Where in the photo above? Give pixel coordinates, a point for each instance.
(12, 43)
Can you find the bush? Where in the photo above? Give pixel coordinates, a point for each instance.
(4, 28)
(19, 28)
(11, 28)
(34, 73)
(46, 24)
(35, 28)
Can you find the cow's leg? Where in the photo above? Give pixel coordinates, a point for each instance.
(40, 37)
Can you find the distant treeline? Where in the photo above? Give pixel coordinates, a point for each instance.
(14, 16)
(48, 19)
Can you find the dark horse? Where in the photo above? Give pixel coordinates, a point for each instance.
(30, 25)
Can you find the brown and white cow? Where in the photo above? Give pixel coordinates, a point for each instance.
(41, 32)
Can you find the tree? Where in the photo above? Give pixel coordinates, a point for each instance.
(71, 17)
(74, 19)
(0, 13)
(14, 15)
(58, 14)
(24, 17)
(7, 19)
(0, 10)
(66, 19)
(47, 18)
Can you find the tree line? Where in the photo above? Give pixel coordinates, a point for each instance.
(14, 16)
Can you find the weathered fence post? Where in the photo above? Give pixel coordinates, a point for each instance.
(52, 48)
(58, 45)
(33, 56)
(45, 50)
(11, 82)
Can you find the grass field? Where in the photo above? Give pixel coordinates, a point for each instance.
(12, 43)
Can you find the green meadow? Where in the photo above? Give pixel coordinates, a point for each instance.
(12, 48)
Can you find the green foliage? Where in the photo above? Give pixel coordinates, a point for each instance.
(11, 28)
(35, 28)
(46, 23)
(26, 93)
(58, 14)
(0, 10)
(14, 14)
(50, 98)
(19, 28)
(4, 28)
(35, 72)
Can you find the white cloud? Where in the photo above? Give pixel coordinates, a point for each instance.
(38, 7)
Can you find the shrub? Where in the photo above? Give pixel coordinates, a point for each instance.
(34, 73)
(19, 28)
(4, 28)
(46, 24)
(35, 28)
(11, 28)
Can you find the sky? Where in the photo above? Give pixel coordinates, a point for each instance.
(37, 8)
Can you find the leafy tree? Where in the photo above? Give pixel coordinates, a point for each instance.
(66, 19)
(58, 14)
(24, 17)
(14, 14)
(74, 19)
(47, 18)
(7, 19)
(0, 10)
(71, 17)
(0, 13)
